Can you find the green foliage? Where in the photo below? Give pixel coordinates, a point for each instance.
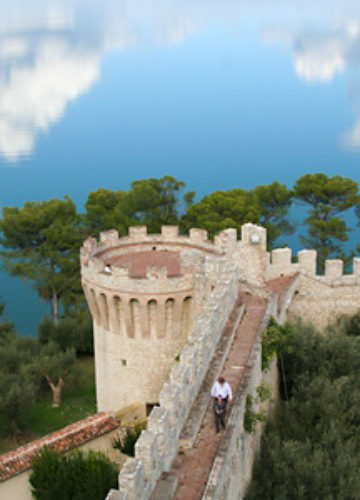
(76, 476)
(41, 244)
(266, 205)
(107, 209)
(152, 202)
(56, 366)
(18, 380)
(275, 201)
(75, 331)
(24, 361)
(263, 392)
(78, 402)
(350, 324)
(17, 397)
(326, 198)
(126, 443)
(223, 209)
(155, 202)
(275, 339)
(251, 417)
(311, 448)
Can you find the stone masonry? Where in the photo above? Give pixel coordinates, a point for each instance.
(160, 304)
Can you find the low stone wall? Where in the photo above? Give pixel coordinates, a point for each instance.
(158, 445)
(318, 299)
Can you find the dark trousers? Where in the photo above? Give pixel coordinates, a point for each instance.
(219, 419)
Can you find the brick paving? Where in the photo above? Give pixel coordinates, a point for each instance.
(193, 466)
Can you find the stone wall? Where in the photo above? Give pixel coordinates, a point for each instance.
(232, 468)
(143, 317)
(318, 299)
(158, 445)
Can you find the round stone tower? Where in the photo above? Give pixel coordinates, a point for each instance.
(144, 292)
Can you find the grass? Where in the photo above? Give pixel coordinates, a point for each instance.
(77, 403)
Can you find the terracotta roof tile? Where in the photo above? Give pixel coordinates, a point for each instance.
(71, 436)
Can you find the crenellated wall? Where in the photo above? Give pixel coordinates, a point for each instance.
(319, 299)
(145, 308)
(157, 321)
(158, 445)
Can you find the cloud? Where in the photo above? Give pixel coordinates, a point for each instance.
(351, 138)
(36, 96)
(318, 54)
(46, 61)
(318, 59)
(51, 50)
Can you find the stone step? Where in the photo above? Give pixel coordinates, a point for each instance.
(192, 426)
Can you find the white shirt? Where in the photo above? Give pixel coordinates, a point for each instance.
(223, 390)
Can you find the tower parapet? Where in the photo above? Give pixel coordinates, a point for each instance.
(144, 292)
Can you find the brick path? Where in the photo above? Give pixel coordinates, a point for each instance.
(193, 466)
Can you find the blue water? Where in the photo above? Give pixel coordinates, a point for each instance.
(218, 93)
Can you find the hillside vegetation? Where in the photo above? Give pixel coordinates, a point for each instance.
(311, 447)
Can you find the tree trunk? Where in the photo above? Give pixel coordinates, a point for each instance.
(55, 307)
(56, 390)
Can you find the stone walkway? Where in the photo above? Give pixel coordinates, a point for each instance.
(192, 466)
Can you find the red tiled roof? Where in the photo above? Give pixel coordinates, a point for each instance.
(65, 439)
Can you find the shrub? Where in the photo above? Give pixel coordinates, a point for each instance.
(311, 448)
(352, 325)
(74, 331)
(126, 443)
(275, 339)
(251, 417)
(76, 476)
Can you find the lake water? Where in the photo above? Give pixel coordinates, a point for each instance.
(218, 93)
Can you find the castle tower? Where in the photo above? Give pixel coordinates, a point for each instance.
(144, 293)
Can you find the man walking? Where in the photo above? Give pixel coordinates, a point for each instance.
(223, 389)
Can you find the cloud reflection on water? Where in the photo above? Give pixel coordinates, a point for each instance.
(321, 54)
(47, 59)
(51, 52)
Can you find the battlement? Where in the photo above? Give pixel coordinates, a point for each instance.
(225, 242)
(280, 264)
(158, 445)
(159, 304)
(139, 238)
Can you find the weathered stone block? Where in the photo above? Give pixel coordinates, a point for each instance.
(109, 237)
(146, 450)
(89, 244)
(198, 235)
(307, 261)
(281, 257)
(169, 233)
(356, 266)
(334, 268)
(117, 495)
(138, 233)
(132, 479)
